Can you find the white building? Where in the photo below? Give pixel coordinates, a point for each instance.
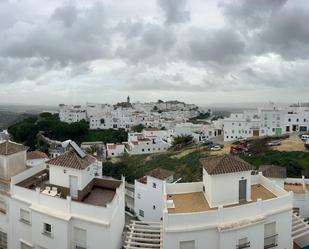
(297, 119)
(72, 113)
(66, 204)
(114, 150)
(266, 122)
(35, 158)
(4, 135)
(230, 208)
(12, 162)
(148, 194)
(144, 145)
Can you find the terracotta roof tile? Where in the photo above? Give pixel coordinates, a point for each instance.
(273, 171)
(224, 164)
(36, 155)
(160, 173)
(71, 159)
(9, 148)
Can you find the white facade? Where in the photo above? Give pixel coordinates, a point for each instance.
(114, 150)
(148, 198)
(146, 146)
(71, 114)
(43, 221)
(255, 223)
(265, 122)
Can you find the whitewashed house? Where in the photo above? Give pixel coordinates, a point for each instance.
(114, 150)
(230, 208)
(35, 158)
(4, 135)
(66, 204)
(72, 113)
(148, 194)
(12, 162)
(272, 121)
(144, 145)
(241, 126)
(297, 119)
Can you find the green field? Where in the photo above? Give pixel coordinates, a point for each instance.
(189, 169)
(186, 167)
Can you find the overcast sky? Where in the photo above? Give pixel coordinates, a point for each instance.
(198, 51)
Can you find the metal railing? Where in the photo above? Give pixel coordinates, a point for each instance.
(79, 245)
(271, 241)
(243, 245)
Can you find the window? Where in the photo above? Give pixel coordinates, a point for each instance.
(3, 240)
(80, 238)
(24, 245)
(24, 216)
(47, 229)
(141, 213)
(270, 236)
(187, 244)
(154, 207)
(2, 206)
(138, 195)
(154, 185)
(243, 243)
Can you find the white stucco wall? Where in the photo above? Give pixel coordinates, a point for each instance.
(223, 189)
(149, 197)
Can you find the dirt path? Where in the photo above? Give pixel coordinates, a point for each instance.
(290, 145)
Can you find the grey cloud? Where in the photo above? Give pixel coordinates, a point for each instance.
(286, 34)
(15, 69)
(151, 45)
(174, 11)
(251, 13)
(74, 39)
(219, 46)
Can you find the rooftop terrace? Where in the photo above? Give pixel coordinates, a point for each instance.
(98, 192)
(294, 187)
(196, 202)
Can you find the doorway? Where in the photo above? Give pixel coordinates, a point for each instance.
(73, 186)
(243, 190)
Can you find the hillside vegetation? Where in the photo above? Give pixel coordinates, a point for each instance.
(25, 131)
(185, 165)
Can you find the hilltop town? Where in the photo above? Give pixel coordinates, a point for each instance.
(153, 175)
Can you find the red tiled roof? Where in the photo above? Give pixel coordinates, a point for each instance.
(151, 129)
(9, 148)
(273, 171)
(134, 142)
(111, 146)
(71, 159)
(225, 164)
(36, 155)
(160, 173)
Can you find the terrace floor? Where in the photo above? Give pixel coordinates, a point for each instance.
(99, 196)
(260, 192)
(296, 188)
(188, 203)
(196, 202)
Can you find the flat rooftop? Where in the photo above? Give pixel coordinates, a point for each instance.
(196, 201)
(99, 192)
(99, 196)
(294, 187)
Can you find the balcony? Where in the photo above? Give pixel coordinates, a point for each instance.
(243, 245)
(271, 241)
(79, 245)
